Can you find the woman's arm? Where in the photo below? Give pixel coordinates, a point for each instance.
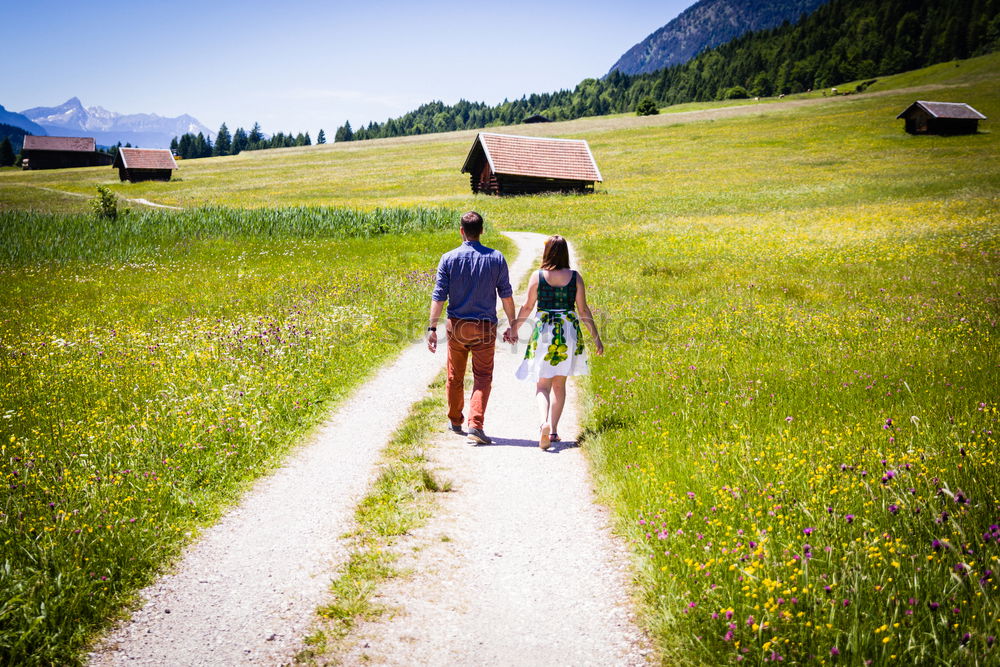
(586, 316)
(529, 302)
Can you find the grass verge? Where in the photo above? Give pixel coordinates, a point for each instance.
(399, 501)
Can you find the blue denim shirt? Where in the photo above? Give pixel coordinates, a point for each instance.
(470, 278)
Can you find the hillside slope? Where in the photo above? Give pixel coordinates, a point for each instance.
(706, 24)
(841, 41)
(425, 170)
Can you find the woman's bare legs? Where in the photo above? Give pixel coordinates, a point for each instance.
(542, 389)
(558, 401)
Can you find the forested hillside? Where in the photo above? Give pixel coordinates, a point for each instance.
(13, 134)
(705, 24)
(841, 41)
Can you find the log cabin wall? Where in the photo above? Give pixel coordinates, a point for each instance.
(139, 175)
(65, 159)
(525, 185)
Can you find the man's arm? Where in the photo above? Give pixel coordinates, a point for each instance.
(438, 299)
(508, 309)
(435, 315)
(506, 294)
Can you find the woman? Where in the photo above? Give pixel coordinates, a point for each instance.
(555, 348)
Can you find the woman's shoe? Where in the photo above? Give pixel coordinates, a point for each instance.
(545, 440)
(554, 437)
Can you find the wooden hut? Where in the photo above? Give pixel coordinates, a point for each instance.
(537, 118)
(503, 164)
(144, 164)
(941, 118)
(61, 153)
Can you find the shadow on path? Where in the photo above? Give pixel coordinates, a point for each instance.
(520, 442)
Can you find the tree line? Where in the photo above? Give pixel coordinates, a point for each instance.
(189, 145)
(843, 40)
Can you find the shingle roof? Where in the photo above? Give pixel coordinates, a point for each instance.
(540, 157)
(145, 158)
(946, 110)
(78, 144)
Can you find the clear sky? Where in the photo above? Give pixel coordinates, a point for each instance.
(300, 65)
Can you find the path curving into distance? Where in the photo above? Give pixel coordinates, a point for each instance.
(535, 575)
(137, 200)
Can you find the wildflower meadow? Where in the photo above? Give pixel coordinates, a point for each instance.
(795, 421)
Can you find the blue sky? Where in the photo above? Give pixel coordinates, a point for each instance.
(301, 65)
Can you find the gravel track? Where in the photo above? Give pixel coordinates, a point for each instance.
(518, 565)
(246, 591)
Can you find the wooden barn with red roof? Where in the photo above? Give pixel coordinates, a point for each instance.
(144, 164)
(503, 164)
(61, 153)
(941, 118)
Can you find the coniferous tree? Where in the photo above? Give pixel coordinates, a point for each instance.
(185, 145)
(255, 138)
(200, 146)
(308, 140)
(344, 133)
(240, 141)
(173, 145)
(6, 153)
(223, 141)
(321, 137)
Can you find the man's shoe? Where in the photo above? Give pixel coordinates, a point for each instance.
(477, 435)
(456, 428)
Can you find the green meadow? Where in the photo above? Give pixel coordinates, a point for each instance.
(794, 422)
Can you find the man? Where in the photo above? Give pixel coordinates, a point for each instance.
(470, 278)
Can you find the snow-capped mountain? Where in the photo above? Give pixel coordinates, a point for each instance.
(147, 130)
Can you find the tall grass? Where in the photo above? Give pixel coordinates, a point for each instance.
(152, 367)
(30, 236)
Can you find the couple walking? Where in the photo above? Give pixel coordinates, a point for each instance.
(469, 279)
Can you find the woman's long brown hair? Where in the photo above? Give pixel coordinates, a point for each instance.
(556, 254)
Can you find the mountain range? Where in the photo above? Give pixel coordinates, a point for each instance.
(706, 24)
(72, 119)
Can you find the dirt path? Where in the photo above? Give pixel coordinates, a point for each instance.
(137, 200)
(58, 192)
(518, 565)
(153, 204)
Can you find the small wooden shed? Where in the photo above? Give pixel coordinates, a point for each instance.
(941, 118)
(61, 153)
(537, 118)
(503, 164)
(144, 164)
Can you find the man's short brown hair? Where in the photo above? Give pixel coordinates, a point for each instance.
(472, 224)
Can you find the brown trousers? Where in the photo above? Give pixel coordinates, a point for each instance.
(478, 337)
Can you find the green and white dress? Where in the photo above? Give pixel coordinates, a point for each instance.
(556, 343)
